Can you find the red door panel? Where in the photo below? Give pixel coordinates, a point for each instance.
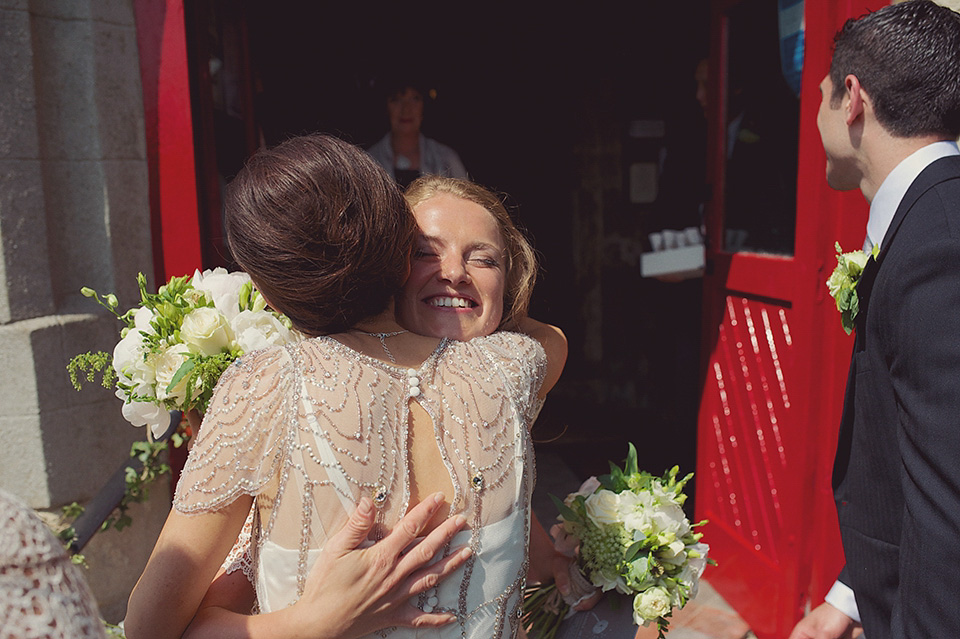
(775, 355)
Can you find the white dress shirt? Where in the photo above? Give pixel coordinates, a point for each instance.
(882, 209)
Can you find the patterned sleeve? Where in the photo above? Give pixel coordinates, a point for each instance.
(524, 363)
(238, 449)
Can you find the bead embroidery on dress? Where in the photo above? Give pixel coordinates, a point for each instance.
(310, 428)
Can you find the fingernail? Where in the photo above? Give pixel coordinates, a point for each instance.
(565, 590)
(460, 520)
(365, 507)
(466, 552)
(438, 498)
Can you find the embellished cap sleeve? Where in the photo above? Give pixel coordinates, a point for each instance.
(239, 447)
(524, 363)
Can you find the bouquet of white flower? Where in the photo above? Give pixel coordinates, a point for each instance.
(178, 341)
(629, 533)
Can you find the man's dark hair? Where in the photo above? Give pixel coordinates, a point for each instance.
(907, 59)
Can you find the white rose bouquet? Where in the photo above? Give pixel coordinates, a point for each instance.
(629, 533)
(178, 341)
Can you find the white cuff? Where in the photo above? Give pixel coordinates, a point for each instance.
(841, 597)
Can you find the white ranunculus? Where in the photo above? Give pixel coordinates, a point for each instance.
(168, 362)
(602, 507)
(222, 288)
(205, 330)
(147, 414)
(693, 569)
(254, 330)
(670, 522)
(607, 580)
(650, 604)
(142, 319)
(587, 488)
(636, 510)
(129, 359)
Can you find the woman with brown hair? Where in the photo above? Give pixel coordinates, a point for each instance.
(364, 415)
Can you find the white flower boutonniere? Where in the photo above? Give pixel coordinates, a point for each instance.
(842, 283)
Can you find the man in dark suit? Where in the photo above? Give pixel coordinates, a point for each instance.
(889, 116)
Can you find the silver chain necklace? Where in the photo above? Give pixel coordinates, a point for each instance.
(382, 337)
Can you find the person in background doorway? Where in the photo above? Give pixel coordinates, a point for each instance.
(405, 153)
(888, 118)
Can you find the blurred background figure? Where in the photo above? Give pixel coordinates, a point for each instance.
(42, 594)
(405, 152)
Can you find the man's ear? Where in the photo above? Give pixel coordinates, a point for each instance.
(855, 99)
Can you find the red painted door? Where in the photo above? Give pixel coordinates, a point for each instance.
(776, 357)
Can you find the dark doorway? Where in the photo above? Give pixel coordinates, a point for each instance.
(538, 101)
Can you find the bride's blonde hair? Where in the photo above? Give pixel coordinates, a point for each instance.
(521, 260)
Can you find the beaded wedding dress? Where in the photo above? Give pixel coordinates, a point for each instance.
(308, 429)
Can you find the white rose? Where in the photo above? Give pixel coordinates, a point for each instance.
(855, 260)
(168, 362)
(222, 288)
(650, 604)
(254, 330)
(602, 507)
(206, 331)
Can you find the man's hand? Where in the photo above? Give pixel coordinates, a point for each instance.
(825, 622)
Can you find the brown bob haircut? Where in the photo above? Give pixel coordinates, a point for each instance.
(322, 230)
(520, 258)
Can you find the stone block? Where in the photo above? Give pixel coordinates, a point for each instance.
(14, 5)
(78, 237)
(18, 385)
(18, 124)
(71, 442)
(23, 231)
(55, 345)
(64, 70)
(82, 447)
(127, 188)
(117, 557)
(119, 12)
(22, 466)
(74, 10)
(117, 93)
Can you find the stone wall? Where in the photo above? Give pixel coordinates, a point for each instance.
(74, 212)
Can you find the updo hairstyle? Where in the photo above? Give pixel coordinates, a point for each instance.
(322, 230)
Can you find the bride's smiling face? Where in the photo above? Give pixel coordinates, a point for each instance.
(457, 271)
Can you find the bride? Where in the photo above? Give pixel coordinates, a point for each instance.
(363, 416)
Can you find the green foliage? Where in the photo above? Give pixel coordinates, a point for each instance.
(87, 365)
(138, 483)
